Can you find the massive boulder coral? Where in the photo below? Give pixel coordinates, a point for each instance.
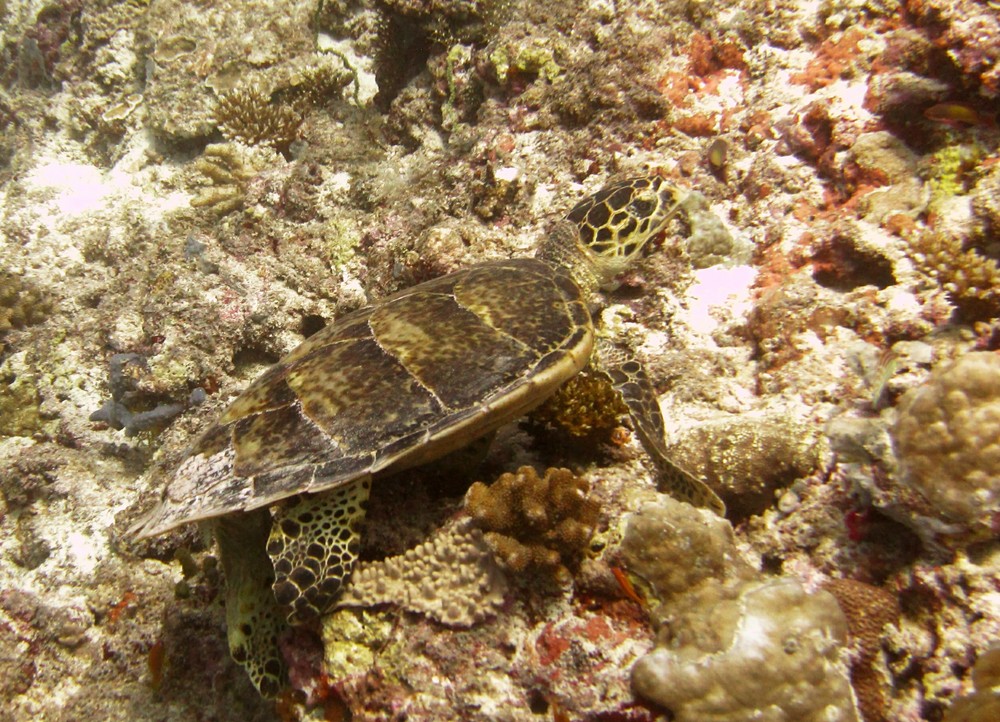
(947, 441)
(778, 655)
(732, 645)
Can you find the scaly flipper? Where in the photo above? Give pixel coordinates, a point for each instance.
(629, 379)
(313, 545)
(253, 619)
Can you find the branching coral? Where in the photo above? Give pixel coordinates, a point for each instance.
(535, 522)
(248, 115)
(971, 280)
(227, 175)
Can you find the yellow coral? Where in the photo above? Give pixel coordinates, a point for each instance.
(584, 404)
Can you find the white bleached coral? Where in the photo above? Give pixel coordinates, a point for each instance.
(451, 578)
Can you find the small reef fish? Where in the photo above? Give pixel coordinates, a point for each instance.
(957, 115)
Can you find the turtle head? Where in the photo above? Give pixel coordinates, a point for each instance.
(606, 233)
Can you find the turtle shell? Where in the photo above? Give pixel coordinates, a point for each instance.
(390, 386)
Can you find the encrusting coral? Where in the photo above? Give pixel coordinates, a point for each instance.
(868, 610)
(452, 578)
(947, 441)
(535, 522)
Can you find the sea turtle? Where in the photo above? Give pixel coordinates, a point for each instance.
(284, 473)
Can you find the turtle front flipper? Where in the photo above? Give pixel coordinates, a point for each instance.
(629, 379)
(313, 545)
(253, 619)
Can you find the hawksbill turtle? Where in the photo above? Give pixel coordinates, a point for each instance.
(284, 474)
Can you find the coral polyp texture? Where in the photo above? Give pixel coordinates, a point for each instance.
(584, 404)
(732, 646)
(535, 522)
(947, 440)
(452, 578)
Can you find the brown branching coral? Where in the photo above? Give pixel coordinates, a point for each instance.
(535, 522)
(248, 116)
(584, 404)
(971, 280)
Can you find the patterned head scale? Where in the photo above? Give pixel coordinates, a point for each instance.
(615, 223)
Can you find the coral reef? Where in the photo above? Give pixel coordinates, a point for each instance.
(583, 405)
(829, 269)
(451, 578)
(984, 703)
(732, 646)
(535, 522)
(947, 440)
(247, 115)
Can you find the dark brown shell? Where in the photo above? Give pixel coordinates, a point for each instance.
(387, 387)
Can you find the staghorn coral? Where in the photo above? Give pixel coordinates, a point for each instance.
(947, 441)
(584, 404)
(535, 522)
(452, 578)
(868, 610)
(971, 280)
(247, 115)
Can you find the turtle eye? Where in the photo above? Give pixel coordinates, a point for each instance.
(641, 208)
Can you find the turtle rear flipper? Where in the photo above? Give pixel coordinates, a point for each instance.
(253, 619)
(313, 545)
(629, 379)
